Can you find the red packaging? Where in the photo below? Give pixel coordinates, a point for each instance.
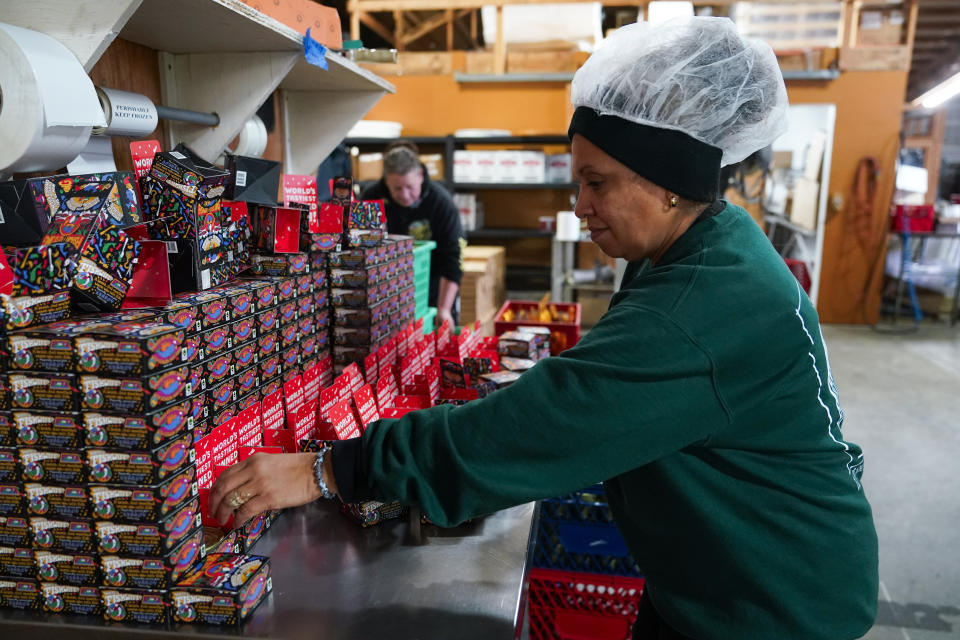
(366, 406)
(343, 421)
(247, 451)
(305, 421)
(272, 412)
(250, 426)
(303, 189)
(204, 459)
(293, 397)
(142, 152)
(311, 383)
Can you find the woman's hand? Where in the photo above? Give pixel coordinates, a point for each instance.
(265, 481)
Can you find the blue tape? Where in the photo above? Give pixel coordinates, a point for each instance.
(314, 52)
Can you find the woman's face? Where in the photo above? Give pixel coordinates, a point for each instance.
(628, 216)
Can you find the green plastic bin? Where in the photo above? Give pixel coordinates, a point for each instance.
(421, 275)
(428, 319)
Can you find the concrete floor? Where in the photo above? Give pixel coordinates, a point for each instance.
(901, 395)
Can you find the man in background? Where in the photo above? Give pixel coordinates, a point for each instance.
(417, 207)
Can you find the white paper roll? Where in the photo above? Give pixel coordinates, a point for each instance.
(253, 138)
(96, 157)
(48, 102)
(128, 115)
(568, 226)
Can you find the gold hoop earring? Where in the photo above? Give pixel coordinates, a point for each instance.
(674, 201)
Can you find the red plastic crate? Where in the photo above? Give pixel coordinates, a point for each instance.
(565, 605)
(563, 335)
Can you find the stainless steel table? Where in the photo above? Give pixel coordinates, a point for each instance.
(334, 580)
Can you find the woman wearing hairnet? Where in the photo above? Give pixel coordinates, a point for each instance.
(703, 397)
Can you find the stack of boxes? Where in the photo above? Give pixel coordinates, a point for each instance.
(100, 488)
(371, 296)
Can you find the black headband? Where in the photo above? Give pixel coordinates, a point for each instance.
(667, 157)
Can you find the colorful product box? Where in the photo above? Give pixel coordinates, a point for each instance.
(57, 501)
(134, 605)
(305, 306)
(67, 568)
(42, 391)
(39, 350)
(13, 503)
(268, 320)
(254, 529)
(149, 538)
(47, 429)
(242, 300)
(67, 536)
(290, 359)
(306, 327)
(134, 396)
(304, 284)
(223, 590)
(343, 356)
(319, 277)
(268, 344)
(20, 594)
(283, 265)
(144, 504)
(9, 465)
(367, 514)
(321, 299)
(286, 289)
(247, 381)
(72, 599)
(61, 466)
(264, 288)
(17, 562)
(14, 531)
(215, 341)
(246, 356)
(140, 467)
(358, 258)
(130, 349)
(244, 330)
(217, 368)
(354, 278)
(183, 313)
(162, 571)
(288, 313)
(139, 432)
(213, 308)
(351, 298)
(363, 317)
(288, 335)
(183, 193)
(270, 367)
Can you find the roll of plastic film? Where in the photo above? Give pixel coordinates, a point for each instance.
(128, 115)
(48, 105)
(253, 138)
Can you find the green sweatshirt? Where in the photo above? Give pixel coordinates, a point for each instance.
(705, 401)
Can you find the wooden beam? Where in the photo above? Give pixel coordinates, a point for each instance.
(375, 26)
(398, 29)
(473, 29)
(911, 30)
(426, 27)
(500, 45)
(449, 15)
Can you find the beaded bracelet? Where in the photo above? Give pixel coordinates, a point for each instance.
(318, 474)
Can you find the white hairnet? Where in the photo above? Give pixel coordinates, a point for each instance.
(695, 75)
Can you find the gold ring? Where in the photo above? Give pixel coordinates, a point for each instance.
(237, 499)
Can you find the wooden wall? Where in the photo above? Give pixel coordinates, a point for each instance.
(869, 109)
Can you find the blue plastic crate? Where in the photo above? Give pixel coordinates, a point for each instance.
(576, 532)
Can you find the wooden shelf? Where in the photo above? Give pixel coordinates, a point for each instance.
(477, 78)
(382, 142)
(219, 56)
(784, 222)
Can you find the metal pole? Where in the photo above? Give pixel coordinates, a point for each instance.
(187, 115)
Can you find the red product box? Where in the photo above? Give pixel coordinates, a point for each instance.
(276, 230)
(247, 451)
(366, 406)
(283, 438)
(249, 427)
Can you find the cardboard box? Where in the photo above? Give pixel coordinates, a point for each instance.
(149, 538)
(304, 307)
(60, 466)
(42, 391)
(324, 22)
(144, 504)
(161, 571)
(882, 27)
(67, 536)
(15, 531)
(369, 167)
(223, 590)
(41, 278)
(268, 320)
(54, 429)
(559, 168)
(134, 605)
(13, 503)
(434, 164)
(268, 344)
(804, 203)
(465, 167)
(244, 330)
(39, 349)
(57, 501)
(252, 180)
(138, 432)
(357, 258)
(65, 568)
(288, 313)
(182, 195)
(20, 594)
(73, 599)
(16, 562)
(276, 230)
